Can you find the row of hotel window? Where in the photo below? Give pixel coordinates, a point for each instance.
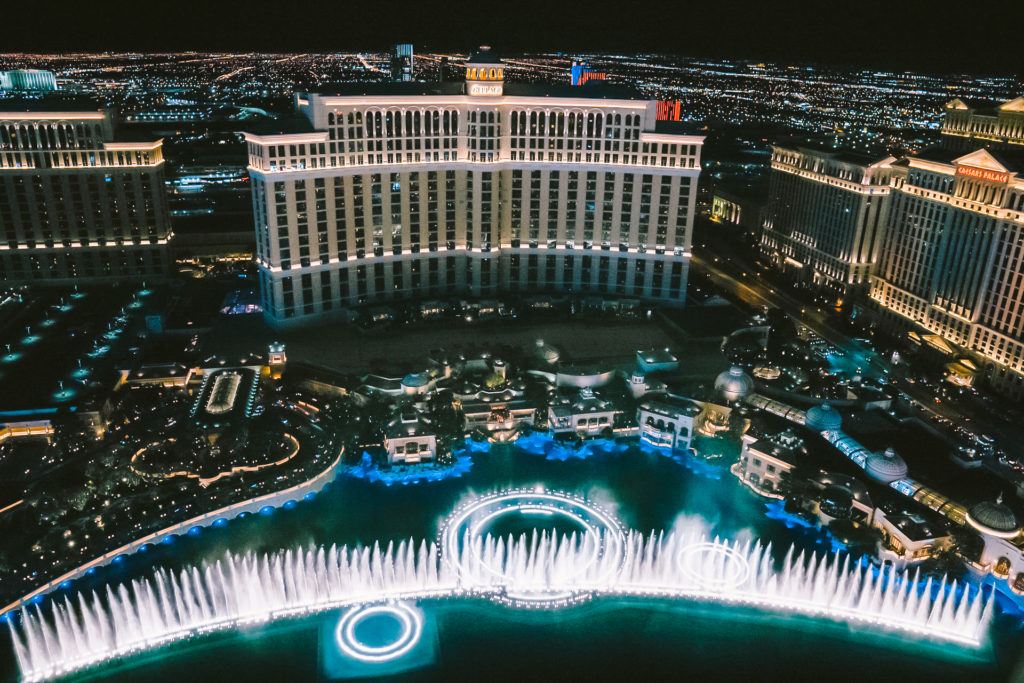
(47, 209)
(376, 123)
(965, 188)
(853, 173)
(408, 224)
(672, 156)
(44, 136)
(653, 278)
(74, 159)
(75, 264)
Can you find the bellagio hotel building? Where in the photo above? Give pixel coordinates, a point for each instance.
(78, 204)
(414, 190)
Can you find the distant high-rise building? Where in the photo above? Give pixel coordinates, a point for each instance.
(471, 188)
(968, 126)
(580, 73)
(77, 204)
(402, 63)
(825, 215)
(28, 80)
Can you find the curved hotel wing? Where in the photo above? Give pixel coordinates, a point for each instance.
(387, 191)
(78, 204)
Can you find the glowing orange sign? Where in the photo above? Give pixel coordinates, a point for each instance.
(983, 174)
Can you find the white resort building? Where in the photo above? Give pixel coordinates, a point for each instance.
(933, 239)
(586, 415)
(985, 123)
(409, 439)
(667, 421)
(764, 461)
(951, 261)
(407, 190)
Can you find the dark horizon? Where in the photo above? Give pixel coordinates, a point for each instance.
(913, 36)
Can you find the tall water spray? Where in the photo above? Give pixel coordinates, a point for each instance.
(538, 569)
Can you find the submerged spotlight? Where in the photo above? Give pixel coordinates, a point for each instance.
(410, 622)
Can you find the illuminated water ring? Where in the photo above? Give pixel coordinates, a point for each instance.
(713, 565)
(461, 533)
(410, 619)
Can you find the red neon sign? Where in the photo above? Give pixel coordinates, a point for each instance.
(983, 174)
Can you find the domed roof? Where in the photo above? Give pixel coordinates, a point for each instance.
(995, 519)
(886, 467)
(823, 418)
(416, 379)
(734, 384)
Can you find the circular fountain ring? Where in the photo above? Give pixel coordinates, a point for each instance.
(409, 618)
(713, 565)
(462, 540)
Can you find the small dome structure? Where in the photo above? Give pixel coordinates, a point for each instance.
(485, 66)
(994, 519)
(886, 467)
(823, 418)
(416, 379)
(734, 384)
(416, 383)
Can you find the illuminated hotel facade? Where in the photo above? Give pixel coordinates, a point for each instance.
(974, 125)
(393, 191)
(826, 213)
(28, 79)
(952, 259)
(76, 205)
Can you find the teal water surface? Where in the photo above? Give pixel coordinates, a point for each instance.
(607, 639)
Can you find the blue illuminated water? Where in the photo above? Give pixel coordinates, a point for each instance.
(603, 640)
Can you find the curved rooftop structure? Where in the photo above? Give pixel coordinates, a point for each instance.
(416, 379)
(546, 353)
(886, 467)
(824, 417)
(853, 487)
(994, 519)
(734, 384)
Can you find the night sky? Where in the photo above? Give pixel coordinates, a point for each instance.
(983, 37)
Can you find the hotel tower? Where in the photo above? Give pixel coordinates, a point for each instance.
(76, 204)
(825, 216)
(402, 190)
(952, 260)
(935, 239)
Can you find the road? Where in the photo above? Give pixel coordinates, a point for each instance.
(745, 286)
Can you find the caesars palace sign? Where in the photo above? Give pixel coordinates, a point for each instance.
(983, 174)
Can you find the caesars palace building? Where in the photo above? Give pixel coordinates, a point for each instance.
(935, 239)
(401, 190)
